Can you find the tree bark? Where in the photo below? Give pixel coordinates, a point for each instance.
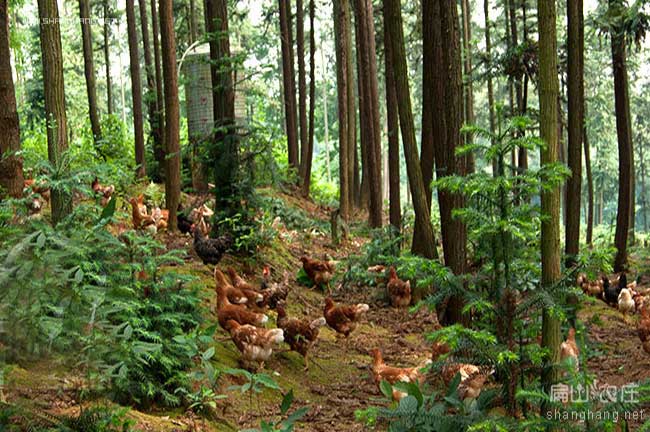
(289, 85)
(392, 120)
(624, 134)
(550, 198)
(136, 89)
(575, 90)
(54, 95)
(393, 25)
(89, 70)
(172, 126)
(341, 20)
(307, 160)
(369, 108)
(467, 79)
(159, 152)
(151, 97)
(590, 188)
(302, 86)
(107, 57)
(326, 135)
(11, 164)
(488, 61)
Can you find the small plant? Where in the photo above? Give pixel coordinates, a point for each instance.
(288, 423)
(255, 383)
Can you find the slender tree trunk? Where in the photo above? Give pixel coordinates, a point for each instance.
(354, 191)
(54, 95)
(150, 97)
(575, 36)
(326, 136)
(192, 21)
(289, 84)
(89, 70)
(624, 133)
(302, 86)
(467, 79)
(550, 239)
(392, 120)
(364, 193)
(121, 68)
(590, 188)
(488, 61)
(172, 112)
(369, 107)
(107, 57)
(136, 89)
(343, 85)
(307, 160)
(159, 152)
(644, 206)
(393, 25)
(11, 164)
(429, 114)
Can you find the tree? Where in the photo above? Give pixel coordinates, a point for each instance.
(624, 134)
(151, 97)
(392, 120)
(575, 88)
(172, 126)
(54, 95)
(346, 114)
(307, 160)
(550, 198)
(11, 165)
(136, 89)
(590, 188)
(302, 87)
(369, 107)
(89, 69)
(467, 71)
(488, 63)
(107, 56)
(159, 153)
(289, 84)
(393, 25)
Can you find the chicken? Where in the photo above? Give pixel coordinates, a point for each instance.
(398, 290)
(343, 319)
(569, 349)
(625, 301)
(274, 292)
(472, 377)
(238, 281)
(160, 218)
(643, 328)
(237, 295)
(140, 219)
(610, 291)
(182, 220)
(226, 311)
(210, 250)
(39, 188)
(300, 334)
(594, 288)
(382, 372)
(582, 279)
(320, 272)
(105, 191)
(255, 344)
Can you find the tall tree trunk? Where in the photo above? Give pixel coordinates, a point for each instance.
(326, 135)
(454, 232)
(89, 70)
(488, 61)
(467, 71)
(54, 95)
(159, 152)
(192, 21)
(369, 108)
(136, 89)
(289, 84)
(644, 204)
(172, 112)
(341, 20)
(223, 99)
(550, 241)
(624, 133)
(302, 86)
(393, 25)
(107, 57)
(392, 120)
(590, 188)
(11, 164)
(575, 90)
(307, 160)
(150, 97)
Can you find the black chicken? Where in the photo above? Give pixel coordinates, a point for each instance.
(610, 292)
(211, 250)
(184, 223)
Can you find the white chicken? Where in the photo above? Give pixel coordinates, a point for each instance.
(625, 301)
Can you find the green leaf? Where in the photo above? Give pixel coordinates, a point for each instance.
(286, 402)
(295, 416)
(386, 389)
(208, 354)
(109, 210)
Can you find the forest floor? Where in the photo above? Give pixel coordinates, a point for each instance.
(338, 381)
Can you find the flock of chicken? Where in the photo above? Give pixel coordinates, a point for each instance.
(625, 296)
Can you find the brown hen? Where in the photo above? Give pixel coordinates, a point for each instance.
(300, 334)
(343, 319)
(398, 290)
